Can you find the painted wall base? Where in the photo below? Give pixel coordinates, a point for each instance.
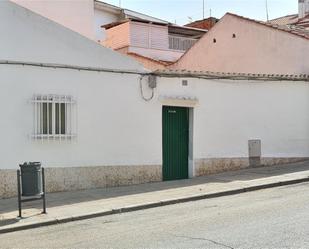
(217, 165)
(80, 178)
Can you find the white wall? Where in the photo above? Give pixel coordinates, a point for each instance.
(117, 127)
(114, 123)
(102, 18)
(231, 112)
(37, 39)
(47, 42)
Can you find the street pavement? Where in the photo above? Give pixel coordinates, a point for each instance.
(270, 218)
(72, 206)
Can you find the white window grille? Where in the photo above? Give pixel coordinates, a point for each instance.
(53, 117)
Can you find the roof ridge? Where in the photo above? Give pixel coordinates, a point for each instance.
(164, 63)
(284, 28)
(283, 17)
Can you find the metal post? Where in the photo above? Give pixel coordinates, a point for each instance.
(203, 9)
(43, 183)
(19, 194)
(267, 15)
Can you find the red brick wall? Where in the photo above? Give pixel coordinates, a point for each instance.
(203, 24)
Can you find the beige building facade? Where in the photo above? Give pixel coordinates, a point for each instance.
(241, 45)
(77, 15)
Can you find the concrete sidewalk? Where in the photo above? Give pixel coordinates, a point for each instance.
(70, 206)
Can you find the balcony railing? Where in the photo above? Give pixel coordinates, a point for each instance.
(180, 43)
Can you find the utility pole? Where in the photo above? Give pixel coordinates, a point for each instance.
(267, 16)
(203, 9)
(120, 3)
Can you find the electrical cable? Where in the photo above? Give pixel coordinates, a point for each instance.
(141, 89)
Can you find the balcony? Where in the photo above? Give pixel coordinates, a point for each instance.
(159, 42)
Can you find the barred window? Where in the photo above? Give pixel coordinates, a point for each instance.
(53, 116)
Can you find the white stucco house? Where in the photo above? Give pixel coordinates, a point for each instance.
(96, 118)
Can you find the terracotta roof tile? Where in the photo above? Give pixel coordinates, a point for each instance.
(234, 76)
(292, 20)
(285, 20)
(292, 29)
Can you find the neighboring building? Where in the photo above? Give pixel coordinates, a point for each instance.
(150, 64)
(303, 8)
(105, 14)
(238, 44)
(301, 19)
(152, 41)
(83, 16)
(78, 16)
(161, 43)
(89, 114)
(285, 20)
(303, 23)
(207, 23)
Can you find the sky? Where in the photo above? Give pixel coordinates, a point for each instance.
(182, 11)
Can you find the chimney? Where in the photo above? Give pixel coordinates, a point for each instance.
(303, 8)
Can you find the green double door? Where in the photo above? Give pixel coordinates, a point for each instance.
(175, 142)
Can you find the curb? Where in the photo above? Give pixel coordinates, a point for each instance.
(153, 205)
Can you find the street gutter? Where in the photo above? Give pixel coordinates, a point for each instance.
(149, 205)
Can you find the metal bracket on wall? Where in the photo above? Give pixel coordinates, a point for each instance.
(152, 81)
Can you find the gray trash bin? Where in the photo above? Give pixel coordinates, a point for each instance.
(31, 179)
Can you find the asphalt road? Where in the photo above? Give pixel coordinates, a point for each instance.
(272, 218)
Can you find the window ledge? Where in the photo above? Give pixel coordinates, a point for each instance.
(53, 136)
